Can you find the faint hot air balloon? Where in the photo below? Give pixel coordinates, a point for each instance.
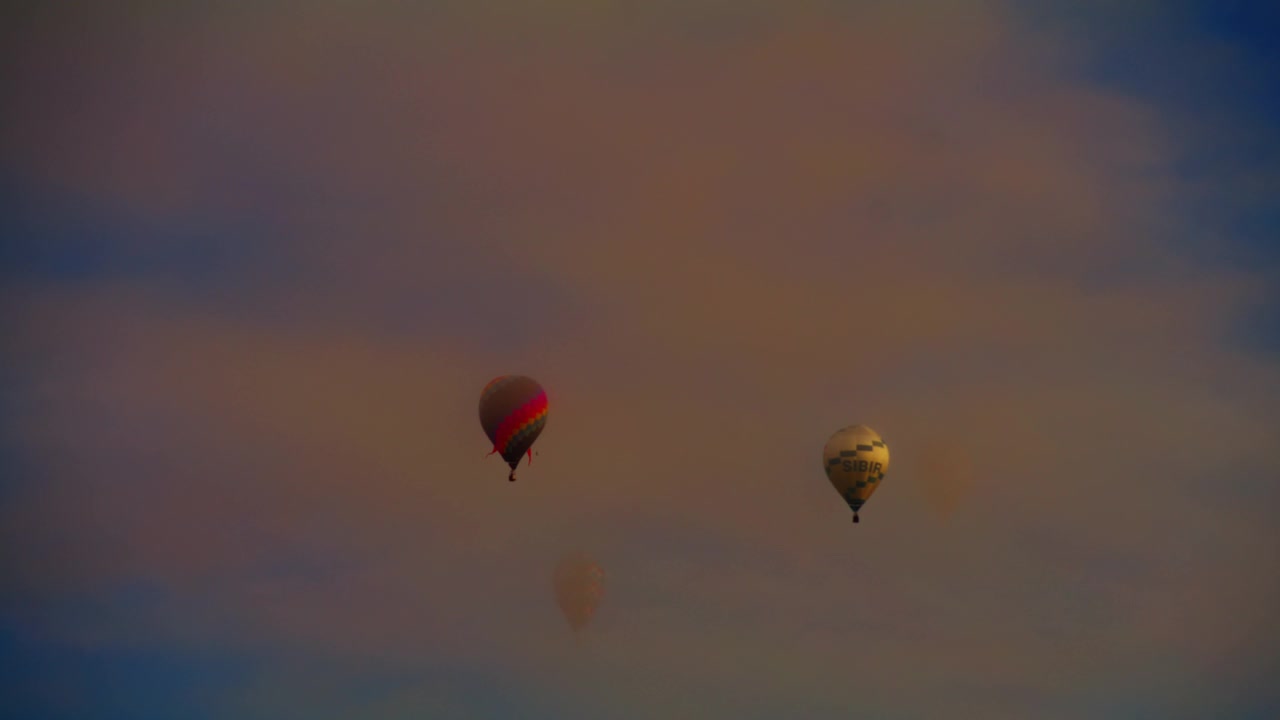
(579, 584)
(855, 459)
(513, 411)
(947, 475)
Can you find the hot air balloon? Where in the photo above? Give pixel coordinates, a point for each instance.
(578, 583)
(513, 411)
(855, 459)
(947, 475)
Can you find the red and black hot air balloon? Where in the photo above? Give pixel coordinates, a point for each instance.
(513, 411)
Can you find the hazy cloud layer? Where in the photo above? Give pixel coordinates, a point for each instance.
(715, 242)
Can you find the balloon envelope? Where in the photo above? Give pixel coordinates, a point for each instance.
(578, 583)
(513, 412)
(855, 459)
(947, 475)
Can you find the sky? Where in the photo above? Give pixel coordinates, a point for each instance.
(256, 264)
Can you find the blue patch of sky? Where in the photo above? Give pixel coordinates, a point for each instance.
(1211, 68)
(231, 261)
(48, 236)
(43, 678)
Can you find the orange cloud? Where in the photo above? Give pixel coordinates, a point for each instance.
(748, 241)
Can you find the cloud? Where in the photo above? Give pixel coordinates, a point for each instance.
(714, 249)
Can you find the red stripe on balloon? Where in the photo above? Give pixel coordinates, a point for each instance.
(517, 419)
